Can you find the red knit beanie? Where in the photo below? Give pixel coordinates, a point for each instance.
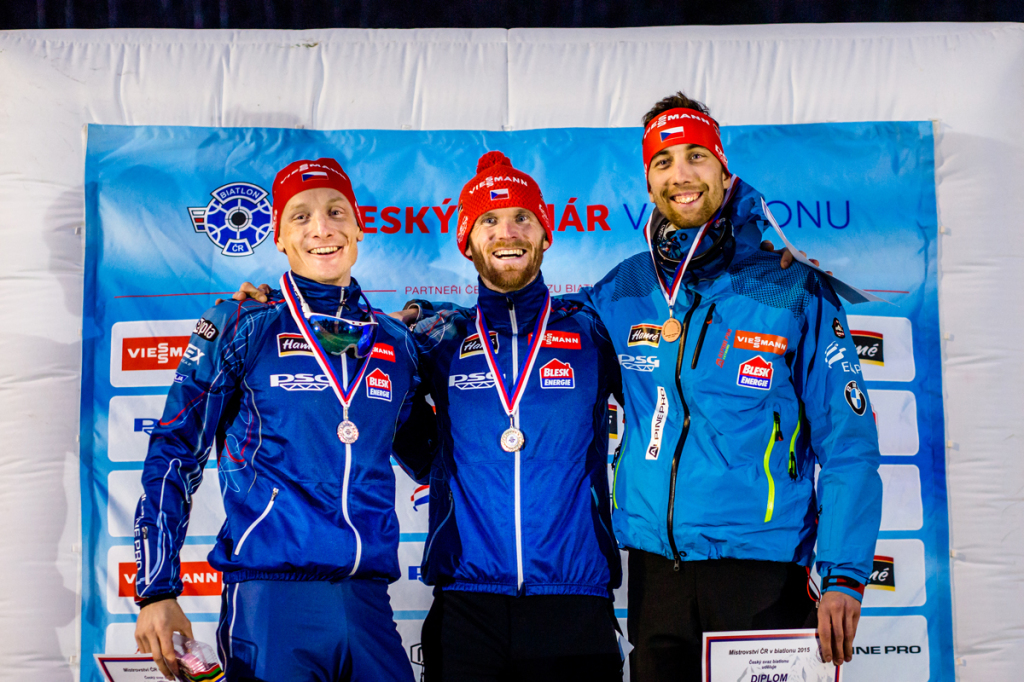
(498, 185)
(301, 175)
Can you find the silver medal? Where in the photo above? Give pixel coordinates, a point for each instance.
(347, 432)
(512, 439)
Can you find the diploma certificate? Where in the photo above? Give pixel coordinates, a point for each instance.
(766, 656)
(129, 668)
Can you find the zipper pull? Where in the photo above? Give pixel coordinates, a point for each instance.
(509, 303)
(675, 566)
(273, 495)
(778, 427)
(145, 532)
(792, 464)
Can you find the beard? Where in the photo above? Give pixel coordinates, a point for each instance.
(508, 278)
(710, 201)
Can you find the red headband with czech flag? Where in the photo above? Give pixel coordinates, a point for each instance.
(682, 126)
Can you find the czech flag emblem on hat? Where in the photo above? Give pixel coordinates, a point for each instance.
(499, 194)
(671, 133)
(309, 175)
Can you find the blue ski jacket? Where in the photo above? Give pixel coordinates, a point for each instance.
(300, 504)
(536, 520)
(727, 423)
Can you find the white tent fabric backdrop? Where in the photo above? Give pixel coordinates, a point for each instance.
(969, 78)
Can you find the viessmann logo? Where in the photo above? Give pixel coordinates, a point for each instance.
(143, 353)
(199, 579)
(564, 340)
(769, 343)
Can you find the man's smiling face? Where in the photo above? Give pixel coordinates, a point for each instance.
(687, 184)
(507, 246)
(320, 235)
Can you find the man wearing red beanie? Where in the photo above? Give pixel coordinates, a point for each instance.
(519, 549)
(305, 394)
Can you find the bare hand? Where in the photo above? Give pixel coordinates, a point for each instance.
(838, 615)
(154, 633)
(407, 316)
(787, 257)
(248, 290)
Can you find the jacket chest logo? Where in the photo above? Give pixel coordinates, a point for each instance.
(471, 345)
(557, 374)
(562, 340)
(644, 335)
(755, 373)
(378, 385)
(762, 343)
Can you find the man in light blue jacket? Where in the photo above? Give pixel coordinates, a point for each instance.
(739, 378)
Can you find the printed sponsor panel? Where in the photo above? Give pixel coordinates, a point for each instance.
(412, 503)
(557, 374)
(120, 637)
(900, 581)
(896, 419)
(410, 630)
(658, 422)
(409, 590)
(125, 488)
(901, 497)
(147, 353)
(130, 420)
(761, 343)
(121, 569)
(885, 346)
(890, 648)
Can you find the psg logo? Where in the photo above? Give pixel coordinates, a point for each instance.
(237, 219)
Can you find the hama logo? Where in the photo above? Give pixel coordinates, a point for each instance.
(883, 574)
(383, 351)
(869, 347)
(152, 352)
(205, 329)
(237, 219)
(557, 374)
(471, 345)
(564, 340)
(299, 382)
(292, 344)
(755, 373)
(644, 335)
(198, 577)
(378, 385)
(420, 497)
(768, 343)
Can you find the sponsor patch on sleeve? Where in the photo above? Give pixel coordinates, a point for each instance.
(855, 398)
(837, 328)
(205, 329)
(767, 343)
(883, 574)
(755, 373)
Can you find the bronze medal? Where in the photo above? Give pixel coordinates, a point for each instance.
(347, 432)
(671, 330)
(512, 439)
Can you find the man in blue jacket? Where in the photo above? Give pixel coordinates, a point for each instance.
(301, 397)
(519, 550)
(739, 378)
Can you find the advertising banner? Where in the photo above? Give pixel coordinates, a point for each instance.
(177, 217)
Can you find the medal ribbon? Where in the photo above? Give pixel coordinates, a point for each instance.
(671, 292)
(295, 302)
(511, 405)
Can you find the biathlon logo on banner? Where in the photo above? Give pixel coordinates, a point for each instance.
(237, 219)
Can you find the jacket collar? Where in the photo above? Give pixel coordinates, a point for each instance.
(325, 298)
(527, 303)
(743, 210)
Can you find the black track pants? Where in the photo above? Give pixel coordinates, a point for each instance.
(476, 637)
(669, 610)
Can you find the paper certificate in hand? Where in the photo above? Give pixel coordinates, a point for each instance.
(766, 656)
